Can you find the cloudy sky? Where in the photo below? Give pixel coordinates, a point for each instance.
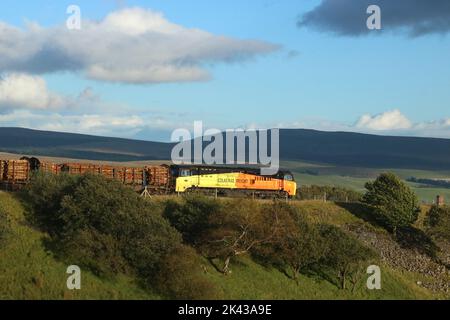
(143, 68)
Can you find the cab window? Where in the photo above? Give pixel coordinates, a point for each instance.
(288, 177)
(185, 173)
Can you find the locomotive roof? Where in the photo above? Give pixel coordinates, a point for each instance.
(222, 168)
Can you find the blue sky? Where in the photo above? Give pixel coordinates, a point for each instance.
(385, 82)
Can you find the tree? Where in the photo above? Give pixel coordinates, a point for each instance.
(298, 247)
(344, 255)
(391, 201)
(238, 228)
(101, 223)
(438, 222)
(191, 216)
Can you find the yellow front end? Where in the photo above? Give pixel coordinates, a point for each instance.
(291, 188)
(219, 181)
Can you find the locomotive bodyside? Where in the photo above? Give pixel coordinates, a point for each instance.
(246, 181)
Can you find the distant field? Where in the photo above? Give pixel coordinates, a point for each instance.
(355, 178)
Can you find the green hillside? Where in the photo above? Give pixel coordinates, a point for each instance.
(29, 270)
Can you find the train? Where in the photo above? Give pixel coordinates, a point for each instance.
(162, 179)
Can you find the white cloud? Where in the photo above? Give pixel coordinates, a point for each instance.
(389, 120)
(116, 124)
(25, 91)
(132, 45)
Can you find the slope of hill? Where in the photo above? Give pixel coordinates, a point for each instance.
(365, 150)
(337, 148)
(29, 270)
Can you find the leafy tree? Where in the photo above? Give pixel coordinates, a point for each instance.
(438, 222)
(191, 216)
(43, 198)
(238, 228)
(391, 201)
(101, 223)
(298, 247)
(112, 209)
(344, 255)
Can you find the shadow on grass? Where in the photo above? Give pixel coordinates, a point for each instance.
(416, 239)
(361, 211)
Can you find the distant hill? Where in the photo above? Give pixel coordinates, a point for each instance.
(337, 148)
(79, 146)
(365, 150)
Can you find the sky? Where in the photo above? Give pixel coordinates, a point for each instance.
(140, 69)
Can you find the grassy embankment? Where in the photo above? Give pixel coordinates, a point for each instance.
(29, 271)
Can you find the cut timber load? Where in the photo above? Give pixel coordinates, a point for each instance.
(17, 170)
(50, 167)
(158, 176)
(130, 176)
(2, 170)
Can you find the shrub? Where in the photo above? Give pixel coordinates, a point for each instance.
(298, 247)
(101, 223)
(43, 198)
(392, 202)
(191, 217)
(112, 209)
(437, 222)
(100, 253)
(344, 255)
(180, 276)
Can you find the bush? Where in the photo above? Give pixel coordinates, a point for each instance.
(343, 255)
(437, 222)
(392, 202)
(100, 253)
(180, 276)
(43, 198)
(101, 223)
(191, 217)
(297, 248)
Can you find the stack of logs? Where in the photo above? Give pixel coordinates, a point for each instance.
(15, 170)
(158, 175)
(131, 176)
(19, 171)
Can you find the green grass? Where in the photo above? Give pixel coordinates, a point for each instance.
(250, 280)
(29, 271)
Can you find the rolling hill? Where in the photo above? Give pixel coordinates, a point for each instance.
(335, 148)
